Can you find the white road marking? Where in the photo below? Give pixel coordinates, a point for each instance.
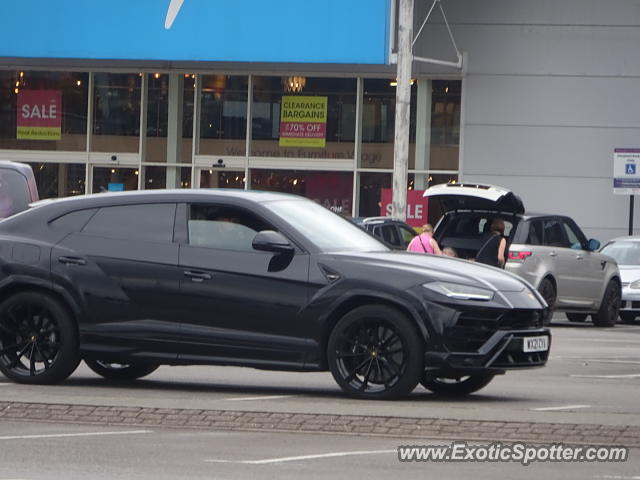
(620, 477)
(5, 384)
(247, 399)
(303, 457)
(564, 407)
(631, 375)
(66, 435)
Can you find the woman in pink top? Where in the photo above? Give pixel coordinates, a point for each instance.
(424, 243)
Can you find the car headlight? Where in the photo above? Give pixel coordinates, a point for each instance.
(460, 292)
(635, 285)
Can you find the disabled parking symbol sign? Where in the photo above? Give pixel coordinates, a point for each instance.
(630, 169)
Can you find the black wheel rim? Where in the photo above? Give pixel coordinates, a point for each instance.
(371, 356)
(29, 339)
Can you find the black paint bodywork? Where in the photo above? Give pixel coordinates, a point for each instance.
(177, 304)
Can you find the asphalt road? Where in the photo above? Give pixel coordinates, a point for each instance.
(45, 451)
(592, 377)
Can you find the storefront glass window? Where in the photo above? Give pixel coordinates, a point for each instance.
(156, 177)
(43, 110)
(319, 127)
(59, 179)
(223, 124)
(116, 122)
(333, 190)
(106, 179)
(157, 118)
(445, 124)
(378, 123)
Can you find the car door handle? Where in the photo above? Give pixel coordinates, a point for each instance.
(197, 276)
(72, 260)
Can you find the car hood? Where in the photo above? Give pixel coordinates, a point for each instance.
(465, 196)
(440, 268)
(629, 273)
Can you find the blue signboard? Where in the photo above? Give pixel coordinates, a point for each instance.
(307, 31)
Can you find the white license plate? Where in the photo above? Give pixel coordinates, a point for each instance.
(535, 344)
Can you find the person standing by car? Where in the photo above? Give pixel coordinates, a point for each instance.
(492, 251)
(424, 243)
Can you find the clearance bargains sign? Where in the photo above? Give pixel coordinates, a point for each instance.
(39, 115)
(303, 121)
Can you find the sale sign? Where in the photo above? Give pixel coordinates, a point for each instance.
(417, 207)
(303, 121)
(39, 115)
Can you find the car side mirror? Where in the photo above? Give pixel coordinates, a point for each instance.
(270, 241)
(593, 245)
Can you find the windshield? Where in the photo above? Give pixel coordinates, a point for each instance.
(625, 253)
(329, 231)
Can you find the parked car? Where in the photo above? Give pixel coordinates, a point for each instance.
(17, 188)
(395, 233)
(548, 250)
(626, 251)
(129, 281)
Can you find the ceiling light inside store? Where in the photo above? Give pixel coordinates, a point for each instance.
(21, 74)
(156, 75)
(294, 84)
(79, 82)
(394, 83)
(16, 91)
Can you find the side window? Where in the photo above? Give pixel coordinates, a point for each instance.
(74, 221)
(407, 234)
(144, 223)
(554, 233)
(575, 239)
(227, 228)
(535, 233)
(389, 234)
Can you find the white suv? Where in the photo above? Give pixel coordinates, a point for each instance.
(549, 251)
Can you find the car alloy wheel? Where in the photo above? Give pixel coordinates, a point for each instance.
(607, 315)
(375, 352)
(455, 386)
(121, 371)
(38, 339)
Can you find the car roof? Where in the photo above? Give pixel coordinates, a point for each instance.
(23, 168)
(628, 238)
(474, 196)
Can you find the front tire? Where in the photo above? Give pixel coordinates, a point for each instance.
(376, 352)
(607, 315)
(38, 339)
(455, 387)
(121, 371)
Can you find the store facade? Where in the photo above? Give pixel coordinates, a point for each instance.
(204, 94)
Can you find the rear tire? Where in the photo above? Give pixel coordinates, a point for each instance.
(548, 291)
(376, 352)
(121, 371)
(607, 315)
(456, 386)
(576, 317)
(38, 339)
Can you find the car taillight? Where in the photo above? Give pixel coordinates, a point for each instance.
(519, 254)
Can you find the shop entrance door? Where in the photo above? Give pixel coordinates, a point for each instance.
(220, 178)
(113, 179)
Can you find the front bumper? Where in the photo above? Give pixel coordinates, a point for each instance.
(630, 300)
(502, 351)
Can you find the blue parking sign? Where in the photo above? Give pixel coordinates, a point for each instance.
(630, 169)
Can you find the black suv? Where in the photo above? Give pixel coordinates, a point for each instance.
(395, 233)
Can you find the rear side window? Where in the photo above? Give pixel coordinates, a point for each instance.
(554, 233)
(535, 233)
(74, 221)
(14, 193)
(407, 235)
(388, 233)
(143, 223)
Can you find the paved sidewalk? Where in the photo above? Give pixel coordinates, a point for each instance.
(423, 428)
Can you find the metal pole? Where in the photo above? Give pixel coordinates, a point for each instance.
(403, 105)
(631, 200)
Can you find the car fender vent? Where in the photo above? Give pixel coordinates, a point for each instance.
(331, 275)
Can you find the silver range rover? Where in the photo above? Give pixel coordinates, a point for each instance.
(549, 251)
